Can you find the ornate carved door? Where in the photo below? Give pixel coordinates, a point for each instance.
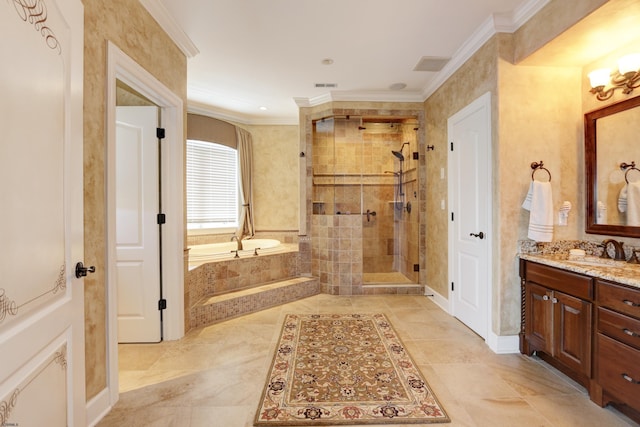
(41, 223)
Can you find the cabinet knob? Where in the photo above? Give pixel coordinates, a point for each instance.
(630, 379)
(631, 303)
(630, 332)
(545, 298)
(554, 300)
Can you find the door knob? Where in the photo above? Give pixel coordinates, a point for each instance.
(480, 235)
(81, 270)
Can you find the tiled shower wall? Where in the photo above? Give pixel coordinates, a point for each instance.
(350, 175)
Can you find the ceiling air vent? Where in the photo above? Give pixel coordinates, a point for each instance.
(326, 84)
(431, 63)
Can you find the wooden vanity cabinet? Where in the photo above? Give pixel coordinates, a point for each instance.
(557, 318)
(617, 347)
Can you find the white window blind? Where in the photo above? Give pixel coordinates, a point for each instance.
(212, 185)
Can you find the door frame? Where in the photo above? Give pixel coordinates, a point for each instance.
(121, 67)
(482, 102)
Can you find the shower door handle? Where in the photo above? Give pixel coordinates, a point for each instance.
(480, 235)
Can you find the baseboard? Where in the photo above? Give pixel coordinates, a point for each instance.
(438, 299)
(503, 344)
(98, 407)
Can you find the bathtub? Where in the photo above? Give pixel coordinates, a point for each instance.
(199, 254)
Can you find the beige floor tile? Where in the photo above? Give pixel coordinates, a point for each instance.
(215, 375)
(573, 410)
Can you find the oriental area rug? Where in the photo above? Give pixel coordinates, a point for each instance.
(337, 369)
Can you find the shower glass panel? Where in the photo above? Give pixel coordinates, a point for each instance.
(364, 169)
(390, 238)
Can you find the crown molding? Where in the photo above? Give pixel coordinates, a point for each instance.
(162, 16)
(497, 23)
(230, 116)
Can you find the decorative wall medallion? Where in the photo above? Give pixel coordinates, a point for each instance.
(35, 13)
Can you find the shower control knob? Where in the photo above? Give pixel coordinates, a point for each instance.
(81, 270)
(480, 235)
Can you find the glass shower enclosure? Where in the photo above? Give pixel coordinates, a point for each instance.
(365, 187)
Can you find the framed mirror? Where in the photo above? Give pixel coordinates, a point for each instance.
(612, 166)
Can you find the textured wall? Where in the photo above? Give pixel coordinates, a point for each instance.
(539, 119)
(276, 191)
(127, 24)
(476, 77)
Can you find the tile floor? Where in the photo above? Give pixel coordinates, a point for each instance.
(214, 376)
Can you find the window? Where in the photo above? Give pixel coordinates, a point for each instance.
(212, 186)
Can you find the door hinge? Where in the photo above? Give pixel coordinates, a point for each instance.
(451, 216)
(162, 218)
(416, 267)
(452, 286)
(160, 133)
(162, 304)
(451, 145)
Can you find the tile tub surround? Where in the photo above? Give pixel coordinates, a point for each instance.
(556, 254)
(235, 275)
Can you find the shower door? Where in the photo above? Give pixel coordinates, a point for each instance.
(390, 226)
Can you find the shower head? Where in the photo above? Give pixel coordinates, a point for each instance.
(398, 154)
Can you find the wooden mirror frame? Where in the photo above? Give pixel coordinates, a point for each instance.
(590, 151)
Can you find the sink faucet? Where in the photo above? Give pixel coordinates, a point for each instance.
(619, 252)
(239, 240)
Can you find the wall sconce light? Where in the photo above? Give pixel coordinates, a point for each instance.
(626, 78)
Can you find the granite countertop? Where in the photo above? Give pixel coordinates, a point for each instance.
(616, 271)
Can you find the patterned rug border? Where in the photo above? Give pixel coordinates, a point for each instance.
(315, 419)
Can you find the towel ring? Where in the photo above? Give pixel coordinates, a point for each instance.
(628, 167)
(536, 166)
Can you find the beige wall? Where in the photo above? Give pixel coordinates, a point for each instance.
(127, 24)
(476, 77)
(276, 192)
(537, 115)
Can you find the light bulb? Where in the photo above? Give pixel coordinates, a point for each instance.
(599, 77)
(629, 63)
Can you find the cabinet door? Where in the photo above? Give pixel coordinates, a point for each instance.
(572, 332)
(538, 330)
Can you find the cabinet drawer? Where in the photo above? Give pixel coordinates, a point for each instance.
(620, 327)
(619, 298)
(561, 280)
(619, 370)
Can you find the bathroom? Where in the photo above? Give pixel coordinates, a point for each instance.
(548, 126)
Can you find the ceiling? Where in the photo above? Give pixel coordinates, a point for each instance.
(258, 61)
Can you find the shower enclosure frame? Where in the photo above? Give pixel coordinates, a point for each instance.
(340, 269)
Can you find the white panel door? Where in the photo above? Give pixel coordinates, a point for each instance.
(42, 376)
(137, 233)
(470, 199)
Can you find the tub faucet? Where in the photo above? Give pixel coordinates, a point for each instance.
(239, 240)
(617, 246)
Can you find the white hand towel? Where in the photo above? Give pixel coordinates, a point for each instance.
(541, 211)
(601, 217)
(633, 204)
(527, 200)
(622, 199)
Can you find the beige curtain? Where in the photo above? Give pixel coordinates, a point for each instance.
(245, 154)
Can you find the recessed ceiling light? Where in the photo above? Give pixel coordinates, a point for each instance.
(263, 108)
(327, 61)
(398, 86)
